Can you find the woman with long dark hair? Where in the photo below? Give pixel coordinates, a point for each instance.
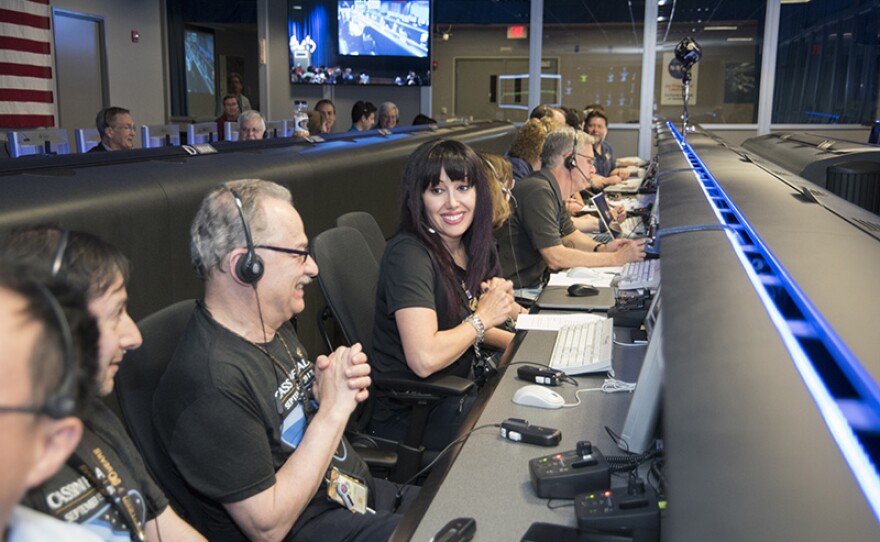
(439, 299)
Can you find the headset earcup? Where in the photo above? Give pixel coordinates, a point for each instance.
(249, 268)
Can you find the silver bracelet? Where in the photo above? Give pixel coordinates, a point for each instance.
(475, 321)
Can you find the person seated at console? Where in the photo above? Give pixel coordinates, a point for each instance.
(231, 112)
(439, 299)
(524, 153)
(328, 112)
(46, 380)
(251, 126)
(421, 119)
(498, 169)
(387, 115)
(253, 426)
(548, 112)
(98, 271)
(541, 236)
(363, 116)
(116, 128)
(607, 172)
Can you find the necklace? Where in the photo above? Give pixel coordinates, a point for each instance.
(305, 394)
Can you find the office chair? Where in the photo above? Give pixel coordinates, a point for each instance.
(160, 135)
(41, 141)
(86, 138)
(350, 291)
(230, 131)
(369, 228)
(136, 383)
(276, 128)
(201, 132)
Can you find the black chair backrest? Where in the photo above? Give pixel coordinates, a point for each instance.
(348, 277)
(369, 228)
(136, 383)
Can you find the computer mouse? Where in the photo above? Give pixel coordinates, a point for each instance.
(538, 396)
(582, 290)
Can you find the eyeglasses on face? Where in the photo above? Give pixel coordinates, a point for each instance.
(304, 253)
(590, 159)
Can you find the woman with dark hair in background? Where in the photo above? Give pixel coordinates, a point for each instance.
(439, 298)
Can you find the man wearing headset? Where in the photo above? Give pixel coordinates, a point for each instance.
(241, 391)
(39, 397)
(540, 235)
(105, 485)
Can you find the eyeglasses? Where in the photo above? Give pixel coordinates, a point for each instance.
(304, 253)
(590, 159)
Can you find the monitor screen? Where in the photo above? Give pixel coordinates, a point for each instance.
(640, 428)
(200, 79)
(384, 28)
(360, 42)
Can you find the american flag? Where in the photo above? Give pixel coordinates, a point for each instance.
(27, 84)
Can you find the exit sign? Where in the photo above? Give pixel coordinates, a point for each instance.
(517, 32)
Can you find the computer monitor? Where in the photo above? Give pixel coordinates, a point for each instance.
(605, 215)
(640, 428)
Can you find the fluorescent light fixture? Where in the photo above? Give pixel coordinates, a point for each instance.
(740, 39)
(720, 27)
(794, 1)
(662, 18)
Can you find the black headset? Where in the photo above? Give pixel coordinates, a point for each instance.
(248, 268)
(571, 162)
(61, 403)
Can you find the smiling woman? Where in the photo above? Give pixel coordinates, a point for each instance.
(439, 299)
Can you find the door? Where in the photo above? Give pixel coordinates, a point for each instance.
(79, 68)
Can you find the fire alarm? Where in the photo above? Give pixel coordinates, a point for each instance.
(433, 64)
(135, 36)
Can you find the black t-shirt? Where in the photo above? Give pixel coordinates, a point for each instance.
(229, 418)
(539, 220)
(408, 278)
(110, 454)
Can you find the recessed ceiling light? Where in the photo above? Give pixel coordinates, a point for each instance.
(720, 27)
(740, 39)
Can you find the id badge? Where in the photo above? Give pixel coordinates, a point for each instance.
(294, 426)
(347, 491)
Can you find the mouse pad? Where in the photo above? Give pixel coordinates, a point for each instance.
(556, 297)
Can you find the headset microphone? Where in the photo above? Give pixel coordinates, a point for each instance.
(60, 404)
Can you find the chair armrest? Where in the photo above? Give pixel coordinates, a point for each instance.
(433, 386)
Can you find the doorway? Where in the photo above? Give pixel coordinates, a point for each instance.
(80, 68)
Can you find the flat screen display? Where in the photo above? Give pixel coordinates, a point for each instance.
(384, 28)
(360, 42)
(201, 87)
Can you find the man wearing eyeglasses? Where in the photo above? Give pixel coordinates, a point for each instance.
(541, 235)
(35, 444)
(253, 426)
(116, 128)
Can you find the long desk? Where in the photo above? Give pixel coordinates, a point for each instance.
(489, 480)
(749, 455)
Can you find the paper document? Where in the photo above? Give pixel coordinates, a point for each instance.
(553, 322)
(599, 277)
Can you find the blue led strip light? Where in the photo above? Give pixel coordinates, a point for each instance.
(846, 395)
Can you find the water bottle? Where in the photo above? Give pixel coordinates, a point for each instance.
(300, 118)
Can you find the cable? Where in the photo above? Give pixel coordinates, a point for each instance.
(696, 227)
(611, 385)
(430, 465)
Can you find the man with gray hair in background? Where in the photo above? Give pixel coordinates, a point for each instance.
(241, 390)
(541, 236)
(251, 126)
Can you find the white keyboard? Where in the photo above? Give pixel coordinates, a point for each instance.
(632, 226)
(583, 348)
(636, 275)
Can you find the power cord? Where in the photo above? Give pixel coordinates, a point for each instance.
(611, 385)
(402, 487)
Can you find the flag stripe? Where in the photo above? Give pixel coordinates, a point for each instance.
(27, 6)
(24, 19)
(21, 95)
(26, 121)
(26, 83)
(25, 32)
(22, 70)
(30, 59)
(24, 45)
(26, 108)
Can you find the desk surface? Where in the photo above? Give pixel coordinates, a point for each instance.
(489, 480)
